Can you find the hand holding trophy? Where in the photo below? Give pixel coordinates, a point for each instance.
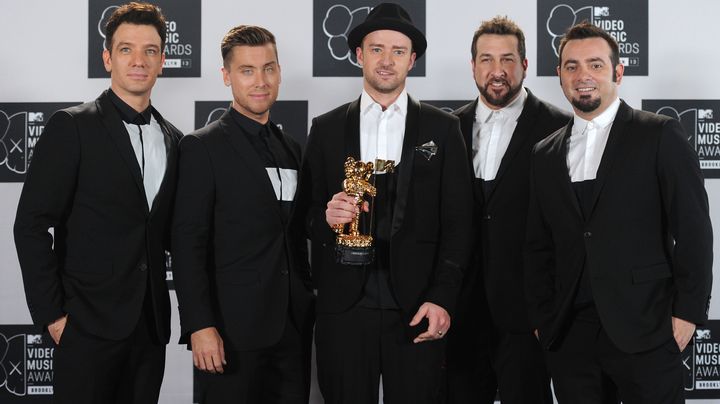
(354, 248)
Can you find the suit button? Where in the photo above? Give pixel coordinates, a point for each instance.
(587, 234)
(488, 217)
(142, 267)
(284, 272)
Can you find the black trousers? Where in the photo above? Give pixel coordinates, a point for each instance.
(279, 374)
(93, 370)
(515, 365)
(588, 368)
(356, 348)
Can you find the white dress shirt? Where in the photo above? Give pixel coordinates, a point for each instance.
(492, 131)
(155, 159)
(587, 143)
(382, 132)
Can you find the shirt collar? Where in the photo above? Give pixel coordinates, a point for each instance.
(128, 113)
(601, 121)
(400, 105)
(511, 111)
(248, 125)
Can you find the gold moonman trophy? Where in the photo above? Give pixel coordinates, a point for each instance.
(354, 248)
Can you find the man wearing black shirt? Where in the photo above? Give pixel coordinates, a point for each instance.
(103, 178)
(240, 271)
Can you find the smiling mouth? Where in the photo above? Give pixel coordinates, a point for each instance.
(385, 73)
(585, 90)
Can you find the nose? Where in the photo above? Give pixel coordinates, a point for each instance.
(261, 80)
(387, 59)
(497, 69)
(138, 59)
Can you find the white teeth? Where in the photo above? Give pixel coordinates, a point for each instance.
(584, 89)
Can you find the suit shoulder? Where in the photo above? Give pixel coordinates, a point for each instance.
(80, 111)
(333, 114)
(431, 111)
(555, 113)
(465, 109)
(650, 118)
(551, 141)
(209, 130)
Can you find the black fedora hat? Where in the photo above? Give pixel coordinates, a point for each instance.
(392, 17)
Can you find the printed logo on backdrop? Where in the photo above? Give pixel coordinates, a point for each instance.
(290, 116)
(447, 105)
(21, 125)
(701, 121)
(182, 44)
(26, 365)
(626, 21)
(701, 362)
(332, 22)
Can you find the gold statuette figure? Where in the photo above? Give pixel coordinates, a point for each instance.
(354, 248)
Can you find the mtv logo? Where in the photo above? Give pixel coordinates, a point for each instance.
(702, 334)
(625, 61)
(33, 339)
(705, 114)
(601, 11)
(36, 117)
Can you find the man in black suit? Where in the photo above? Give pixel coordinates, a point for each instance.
(619, 242)
(241, 273)
(499, 348)
(387, 318)
(103, 178)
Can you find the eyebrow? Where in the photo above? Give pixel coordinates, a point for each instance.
(377, 45)
(501, 55)
(253, 66)
(152, 45)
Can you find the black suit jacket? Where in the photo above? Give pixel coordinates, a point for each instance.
(501, 216)
(236, 264)
(85, 182)
(430, 234)
(646, 244)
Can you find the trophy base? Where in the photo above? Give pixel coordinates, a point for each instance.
(346, 255)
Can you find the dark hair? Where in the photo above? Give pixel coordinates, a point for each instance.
(499, 26)
(245, 35)
(585, 30)
(138, 14)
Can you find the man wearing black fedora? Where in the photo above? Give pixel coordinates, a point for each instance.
(387, 318)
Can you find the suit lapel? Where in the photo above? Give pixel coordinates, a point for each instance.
(412, 121)
(520, 136)
(247, 153)
(352, 130)
(117, 132)
(561, 168)
(171, 153)
(615, 138)
(467, 118)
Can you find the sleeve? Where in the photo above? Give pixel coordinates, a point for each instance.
(299, 235)
(455, 222)
(45, 203)
(686, 212)
(190, 240)
(312, 198)
(539, 260)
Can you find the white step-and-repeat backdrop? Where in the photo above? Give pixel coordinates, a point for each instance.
(50, 59)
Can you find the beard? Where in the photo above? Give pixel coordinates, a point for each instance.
(586, 104)
(499, 100)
